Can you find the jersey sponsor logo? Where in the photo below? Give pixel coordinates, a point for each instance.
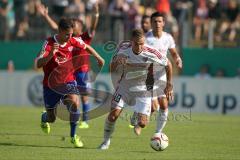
(61, 60)
(70, 49)
(135, 74)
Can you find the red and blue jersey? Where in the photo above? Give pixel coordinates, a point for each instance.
(60, 69)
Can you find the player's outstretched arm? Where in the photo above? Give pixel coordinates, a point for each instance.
(44, 57)
(95, 18)
(177, 59)
(43, 11)
(169, 87)
(93, 52)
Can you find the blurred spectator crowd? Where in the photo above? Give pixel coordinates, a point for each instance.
(189, 21)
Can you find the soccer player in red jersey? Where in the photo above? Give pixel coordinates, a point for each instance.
(82, 72)
(59, 81)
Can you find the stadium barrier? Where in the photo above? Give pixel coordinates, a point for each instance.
(216, 58)
(191, 94)
(23, 53)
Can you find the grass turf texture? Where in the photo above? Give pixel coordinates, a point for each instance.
(196, 137)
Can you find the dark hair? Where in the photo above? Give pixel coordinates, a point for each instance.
(77, 20)
(157, 14)
(137, 33)
(65, 23)
(145, 17)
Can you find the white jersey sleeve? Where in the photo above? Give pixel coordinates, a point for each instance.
(155, 56)
(171, 42)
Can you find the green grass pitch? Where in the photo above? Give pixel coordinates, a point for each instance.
(213, 137)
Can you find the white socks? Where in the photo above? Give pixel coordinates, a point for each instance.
(108, 130)
(161, 120)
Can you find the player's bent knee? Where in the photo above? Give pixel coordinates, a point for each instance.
(112, 118)
(75, 105)
(72, 104)
(163, 103)
(114, 114)
(72, 100)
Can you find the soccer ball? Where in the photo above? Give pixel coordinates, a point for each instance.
(159, 142)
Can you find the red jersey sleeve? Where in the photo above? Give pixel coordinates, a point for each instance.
(78, 43)
(46, 48)
(87, 37)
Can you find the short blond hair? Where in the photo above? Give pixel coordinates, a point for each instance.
(137, 33)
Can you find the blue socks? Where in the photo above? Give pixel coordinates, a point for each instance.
(85, 108)
(74, 117)
(73, 126)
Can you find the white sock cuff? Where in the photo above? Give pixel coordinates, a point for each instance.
(163, 111)
(163, 114)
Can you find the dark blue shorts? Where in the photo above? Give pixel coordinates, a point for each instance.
(83, 82)
(53, 96)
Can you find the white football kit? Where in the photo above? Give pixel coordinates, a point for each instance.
(162, 44)
(136, 83)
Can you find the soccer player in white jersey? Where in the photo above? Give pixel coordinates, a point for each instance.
(136, 62)
(164, 42)
(161, 40)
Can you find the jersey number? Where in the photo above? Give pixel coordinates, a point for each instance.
(117, 97)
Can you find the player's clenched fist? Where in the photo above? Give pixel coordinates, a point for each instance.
(169, 92)
(179, 63)
(100, 61)
(55, 48)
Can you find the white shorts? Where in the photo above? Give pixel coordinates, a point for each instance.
(123, 98)
(158, 91)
